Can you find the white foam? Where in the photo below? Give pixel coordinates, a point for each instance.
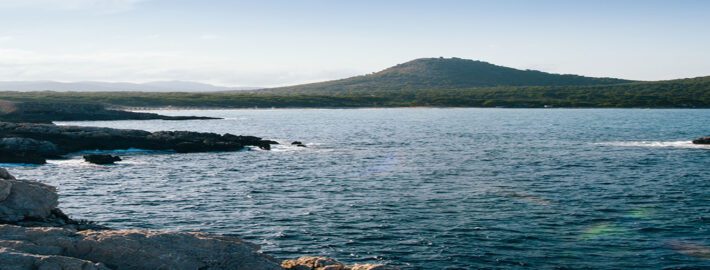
(657, 144)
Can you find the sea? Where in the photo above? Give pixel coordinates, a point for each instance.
(421, 188)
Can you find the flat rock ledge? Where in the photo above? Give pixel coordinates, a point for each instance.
(35, 234)
(35, 143)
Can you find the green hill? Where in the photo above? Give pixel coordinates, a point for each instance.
(423, 82)
(443, 73)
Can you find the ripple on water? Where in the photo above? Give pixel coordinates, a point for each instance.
(423, 188)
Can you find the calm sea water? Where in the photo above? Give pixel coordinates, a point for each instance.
(424, 188)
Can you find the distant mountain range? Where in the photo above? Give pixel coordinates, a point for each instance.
(444, 73)
(96, 86)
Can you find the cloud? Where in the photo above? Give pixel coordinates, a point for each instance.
(104, 5)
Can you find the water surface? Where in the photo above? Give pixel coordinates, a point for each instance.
(424, 188)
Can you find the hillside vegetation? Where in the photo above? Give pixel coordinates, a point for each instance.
(443, 73)
(423, 82)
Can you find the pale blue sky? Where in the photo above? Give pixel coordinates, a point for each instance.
(269, 42)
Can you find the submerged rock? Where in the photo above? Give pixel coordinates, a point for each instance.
(702, 140)
(102, 159)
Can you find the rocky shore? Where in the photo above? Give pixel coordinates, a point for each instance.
(35, 143)
(47, 112)
(35, 234)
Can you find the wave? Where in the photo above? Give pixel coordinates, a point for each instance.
(657, 144)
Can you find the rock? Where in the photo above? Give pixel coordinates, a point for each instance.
(135, 249)
(4, 174)
(26, 150)
(34, 143)
(324, 263)
(702, 140)
(23, 199)
(101, 159)
(13, 259)
(298, 143)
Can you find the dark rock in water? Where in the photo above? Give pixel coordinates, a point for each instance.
(102, 159)
(25, 150)
(47, 112)
(37, 142)
(703, 140)
(298, 143)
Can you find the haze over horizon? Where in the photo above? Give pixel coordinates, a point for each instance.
(277, 43)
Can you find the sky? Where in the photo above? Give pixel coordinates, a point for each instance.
(282, 42)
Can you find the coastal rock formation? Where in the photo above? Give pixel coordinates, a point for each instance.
(13, 259)
(50, 141)
(101, 159)
(324, 263)
(46, 112)
(134, 249)
(702, 140)
(25, 150)
(22, 200)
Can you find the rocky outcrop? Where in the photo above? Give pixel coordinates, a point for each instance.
(33, 143)
(136, 249)
(26, 150)
(324, 263)
(298, 143)
(33, 204)
(102, 159)
(25, 200)
(702, 140)
(13, 259)
(47, 112)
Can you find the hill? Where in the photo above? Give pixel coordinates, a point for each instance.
(423, 82)
(683, 93)
(443, 73)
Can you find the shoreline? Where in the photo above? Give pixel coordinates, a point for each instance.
(145, 109)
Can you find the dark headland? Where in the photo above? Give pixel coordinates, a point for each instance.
(47, 112)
